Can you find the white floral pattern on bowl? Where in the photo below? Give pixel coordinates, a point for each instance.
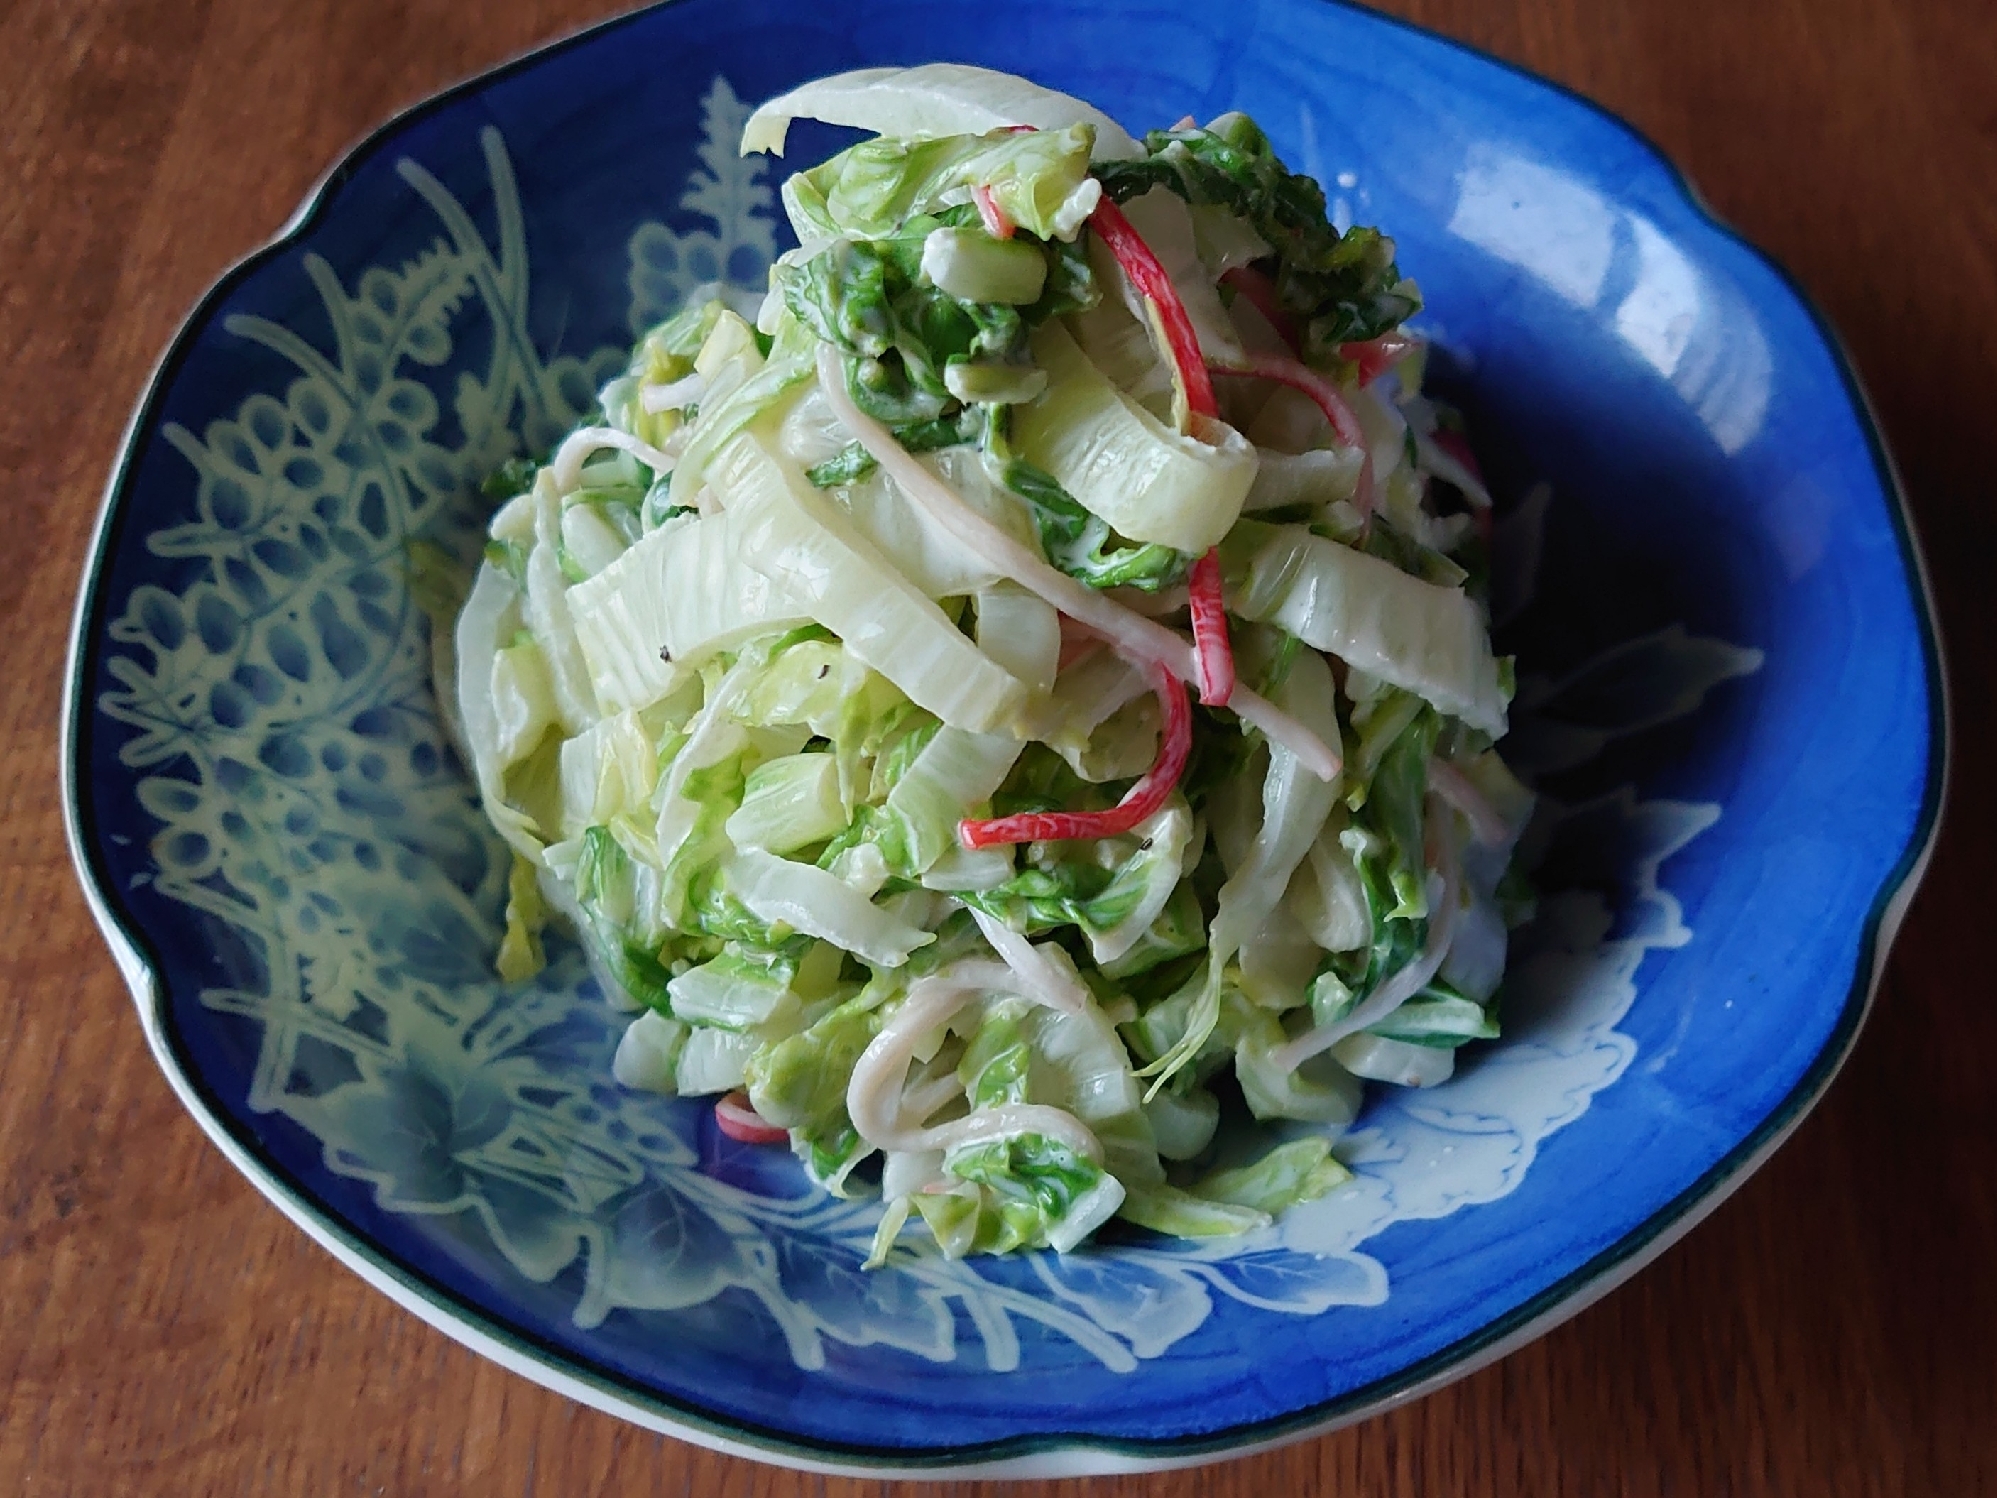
(257, 702)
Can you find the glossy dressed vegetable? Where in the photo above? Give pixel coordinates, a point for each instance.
(832, 681)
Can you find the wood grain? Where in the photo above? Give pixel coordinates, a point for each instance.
(1829, 1331)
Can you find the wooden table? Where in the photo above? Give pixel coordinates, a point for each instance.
(1831, 1330)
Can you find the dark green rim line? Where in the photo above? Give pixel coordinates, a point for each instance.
(1048, 1454)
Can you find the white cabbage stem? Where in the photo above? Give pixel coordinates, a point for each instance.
(1328, 398)
(1403, 985)
(709, 727)
(940, 98)
(577, 447)
(814, 902)
(874, 1100)
(1039, 976)
(1141, 639)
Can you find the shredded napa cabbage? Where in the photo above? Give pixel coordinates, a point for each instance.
(832, 682)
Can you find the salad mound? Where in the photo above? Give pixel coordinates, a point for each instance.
(1021, 682)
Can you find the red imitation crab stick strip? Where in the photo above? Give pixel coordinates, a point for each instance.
(1214, 651)
(1142, 640)
(737, 1117)
(1175, 743)
(1373, 358)
(1329, 399)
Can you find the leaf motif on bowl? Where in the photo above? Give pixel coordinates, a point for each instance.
(277, 708)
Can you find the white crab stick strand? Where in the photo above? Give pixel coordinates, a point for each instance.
(1455, 788)
(1140, 638)
(874, 1099)
(674, 396)
(917, 1103)
(577, 447)
(1038, 975)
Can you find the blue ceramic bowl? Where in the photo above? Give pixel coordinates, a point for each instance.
(1729, 698)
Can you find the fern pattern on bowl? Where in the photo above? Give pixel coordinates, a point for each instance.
(277, 711)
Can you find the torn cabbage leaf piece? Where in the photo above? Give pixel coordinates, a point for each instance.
(798, 539)
(681, 594)
(940, 98)
(750, 649)
(1431, 640)
(1123, 463)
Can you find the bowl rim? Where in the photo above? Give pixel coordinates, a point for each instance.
(1039, 1455)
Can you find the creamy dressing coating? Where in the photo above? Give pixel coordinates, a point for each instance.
(925, 564)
